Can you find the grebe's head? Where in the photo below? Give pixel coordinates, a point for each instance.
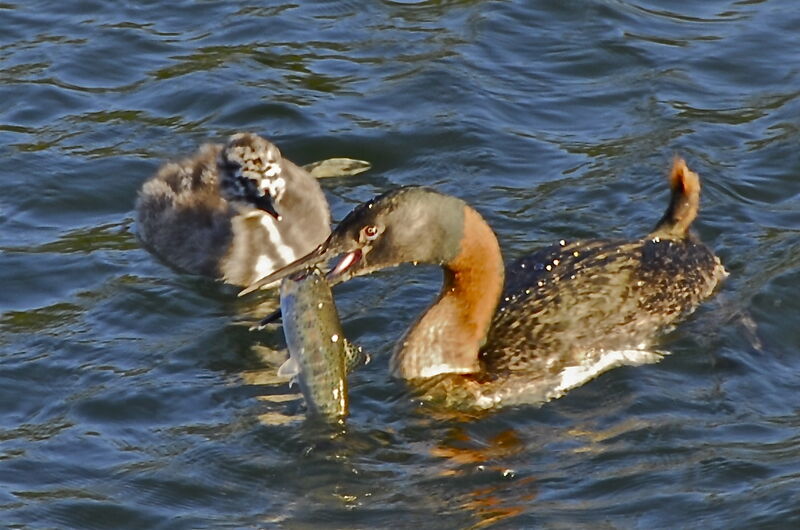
(407, 225)
(250, 173)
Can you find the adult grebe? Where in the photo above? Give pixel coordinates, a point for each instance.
(567, 313)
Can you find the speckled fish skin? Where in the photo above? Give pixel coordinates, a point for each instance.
(316, 343)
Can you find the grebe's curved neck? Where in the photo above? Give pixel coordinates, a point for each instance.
(448, 336)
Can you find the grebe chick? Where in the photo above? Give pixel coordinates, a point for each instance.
(236, 212)
(563, 315)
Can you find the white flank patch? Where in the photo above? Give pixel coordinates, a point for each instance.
(574, 376)
(441, 368)
(488, 401)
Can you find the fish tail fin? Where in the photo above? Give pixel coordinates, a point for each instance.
(683, 204)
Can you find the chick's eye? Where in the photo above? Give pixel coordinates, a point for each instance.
(370, 232)
(248, 183)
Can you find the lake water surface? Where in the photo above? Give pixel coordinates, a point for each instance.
(132, 396)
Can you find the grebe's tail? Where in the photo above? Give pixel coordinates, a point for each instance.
(684, 203)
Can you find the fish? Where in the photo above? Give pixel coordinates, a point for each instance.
(320, 357)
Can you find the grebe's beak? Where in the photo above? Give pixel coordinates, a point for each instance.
(348, 261)
(331, 248)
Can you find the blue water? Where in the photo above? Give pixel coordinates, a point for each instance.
(132, 396)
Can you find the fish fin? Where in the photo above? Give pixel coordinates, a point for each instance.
(289, 369)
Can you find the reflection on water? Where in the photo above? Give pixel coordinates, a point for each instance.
(274, 390)
(494, 502)
(554, 119)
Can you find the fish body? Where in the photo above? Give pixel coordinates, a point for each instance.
(319, 355)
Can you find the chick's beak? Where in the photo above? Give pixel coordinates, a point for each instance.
(264, 202)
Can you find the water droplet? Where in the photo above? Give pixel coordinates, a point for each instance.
(556, 262)
(562, 242)
(576, 253)
(549, 267)
(334, 338)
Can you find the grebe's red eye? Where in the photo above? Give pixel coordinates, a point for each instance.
(370, 232)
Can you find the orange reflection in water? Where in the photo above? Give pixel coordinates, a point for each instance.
(506, 498)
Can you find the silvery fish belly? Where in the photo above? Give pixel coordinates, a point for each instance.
(318, 352)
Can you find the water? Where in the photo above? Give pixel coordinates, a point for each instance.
(134, 397)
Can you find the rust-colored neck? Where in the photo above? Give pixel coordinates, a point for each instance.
(447, 337)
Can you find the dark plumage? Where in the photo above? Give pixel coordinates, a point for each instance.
(595, 295)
